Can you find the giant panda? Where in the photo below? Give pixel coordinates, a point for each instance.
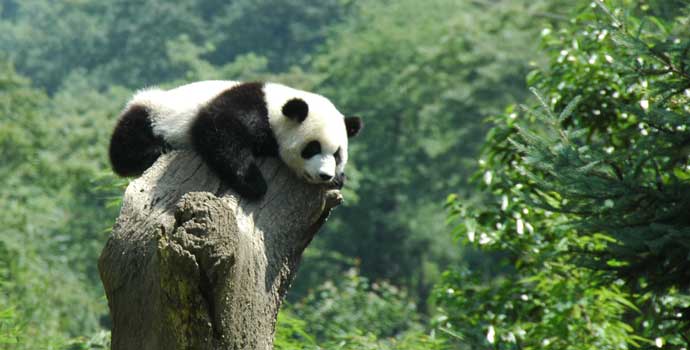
(228, 124)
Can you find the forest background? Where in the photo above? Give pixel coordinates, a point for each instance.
(479, 214)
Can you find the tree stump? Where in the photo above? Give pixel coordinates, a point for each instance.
(191, 265)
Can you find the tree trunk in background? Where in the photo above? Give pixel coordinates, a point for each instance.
(189, 266)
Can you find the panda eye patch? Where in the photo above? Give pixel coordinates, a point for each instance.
(313, 148)
(338, 159)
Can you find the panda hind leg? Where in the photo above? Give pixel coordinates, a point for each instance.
(133, 145)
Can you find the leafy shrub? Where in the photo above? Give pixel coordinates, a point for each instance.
(586, 196)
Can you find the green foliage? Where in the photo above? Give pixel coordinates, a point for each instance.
(409, 341)
(353, 303)
(634, 160)
(546, 304)
(291, 332)
(353, 313)
(588, 205)
(100, 340)
(9, 329)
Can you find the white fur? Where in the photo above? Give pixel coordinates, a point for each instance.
(318, 165)
(173, 111)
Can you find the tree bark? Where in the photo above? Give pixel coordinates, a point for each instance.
(191, 265)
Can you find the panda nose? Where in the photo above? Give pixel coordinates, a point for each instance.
(325, 177)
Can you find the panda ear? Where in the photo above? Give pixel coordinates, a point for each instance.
(296, 109)
(353, 125)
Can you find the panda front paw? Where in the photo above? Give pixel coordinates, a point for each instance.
(338, 182)
(250, 184)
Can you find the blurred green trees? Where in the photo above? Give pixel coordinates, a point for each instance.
(129, 44)
(52, 214)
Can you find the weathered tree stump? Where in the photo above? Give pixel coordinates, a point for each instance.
(190, 265)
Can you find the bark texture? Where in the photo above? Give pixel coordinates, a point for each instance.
(190, 265)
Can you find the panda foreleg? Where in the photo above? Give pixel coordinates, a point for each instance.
(249, 182)
(224, 145)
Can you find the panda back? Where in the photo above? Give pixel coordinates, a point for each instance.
(172, 112)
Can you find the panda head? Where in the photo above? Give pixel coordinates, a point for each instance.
(312, 135)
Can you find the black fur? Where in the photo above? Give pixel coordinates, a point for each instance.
(338, 156)
(311, 149)
(133, 146)
(296, 109)
(338, 181)
(353, 125)
(230, 132)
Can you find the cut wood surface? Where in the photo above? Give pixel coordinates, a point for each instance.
(190, 265)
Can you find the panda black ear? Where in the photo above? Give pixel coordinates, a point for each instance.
(353, 125)
(296, 109)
